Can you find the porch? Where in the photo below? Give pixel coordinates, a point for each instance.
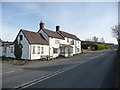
(66, 50)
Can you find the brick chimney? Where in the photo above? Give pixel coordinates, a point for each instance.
(41, 25)
(57, 28)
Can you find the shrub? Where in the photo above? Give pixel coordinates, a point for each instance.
(18, 50)
(94, 46)
(102, 46)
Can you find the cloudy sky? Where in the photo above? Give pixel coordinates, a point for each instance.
(84, 19)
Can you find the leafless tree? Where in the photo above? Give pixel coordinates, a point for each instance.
(102, 40)
(116, 34)
(95, 39)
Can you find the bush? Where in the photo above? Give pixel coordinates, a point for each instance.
(84, 46)
(102, 46)
(94, 46)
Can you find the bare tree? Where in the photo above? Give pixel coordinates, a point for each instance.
(102, 40)
(116, 34)
(95, 39)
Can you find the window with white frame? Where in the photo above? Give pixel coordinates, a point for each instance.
(55, 50)
(67, 39)
(62, 49)
(38, 49)
(78, 49)
(4, 49)
(33, 49)
(72, 42)
(42, 50)
(11, 49)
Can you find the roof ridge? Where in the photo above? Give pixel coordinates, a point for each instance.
(50, 30)
(28, 30)
(52, 33)
(69, 35)
(67, 32)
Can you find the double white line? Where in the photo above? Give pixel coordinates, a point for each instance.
(43, 78)
(25, 85)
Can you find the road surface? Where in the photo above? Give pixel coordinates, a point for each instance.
(93, 70)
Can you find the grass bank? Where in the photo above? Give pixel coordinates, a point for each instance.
(14, 61)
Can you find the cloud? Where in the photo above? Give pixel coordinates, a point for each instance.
(84, 21)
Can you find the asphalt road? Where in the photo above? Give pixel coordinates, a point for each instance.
(93, 70)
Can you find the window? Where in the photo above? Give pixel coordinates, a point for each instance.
(33, 49)
(66, 50)
(72, 42)
(11, 49)
(55, 50)
(4, 49)
(21, 37)
(67, 39)
(70, 50)
(38, 49)
(42, 49)
(77, 49)
(62, 50)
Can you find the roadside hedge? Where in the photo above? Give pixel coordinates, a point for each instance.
(102, 47)
(94, 46)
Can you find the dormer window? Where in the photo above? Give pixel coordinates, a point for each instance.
(21, 37)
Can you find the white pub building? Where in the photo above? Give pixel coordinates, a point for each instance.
(44, 43)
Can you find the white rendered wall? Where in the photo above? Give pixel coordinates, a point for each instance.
(77, 45)
(36, 55)
(25, 49)
(53, 44)
(8, 51)
(11, 53)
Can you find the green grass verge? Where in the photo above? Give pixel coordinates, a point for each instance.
(15, 61)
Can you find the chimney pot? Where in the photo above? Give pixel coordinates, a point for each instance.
(57, 28)
(41, 25)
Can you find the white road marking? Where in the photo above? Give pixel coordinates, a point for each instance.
(25, 85)
(44, 77)
(97, 56)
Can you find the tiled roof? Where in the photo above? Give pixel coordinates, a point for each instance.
(69, 35)
(7, 43)
(52, 34)
(34, 37)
